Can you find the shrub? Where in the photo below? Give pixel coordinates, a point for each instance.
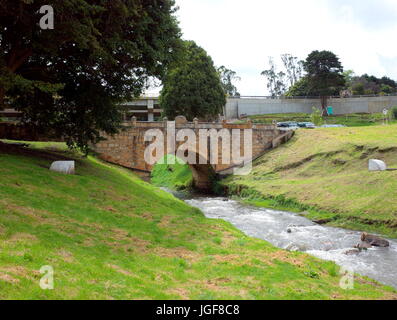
(316, 117)
(394, 112)
(358, 89)
(312, 274)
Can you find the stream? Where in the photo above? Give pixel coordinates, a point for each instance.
(294, 232)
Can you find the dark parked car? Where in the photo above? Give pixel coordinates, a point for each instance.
(288, 124)
(307, 125)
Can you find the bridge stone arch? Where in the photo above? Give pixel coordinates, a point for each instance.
(203, 174)
(128, 147)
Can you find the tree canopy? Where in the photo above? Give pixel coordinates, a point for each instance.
(192, 87)
(324, 74)
(301, 89)
(367, 85)
(354, 86)
(228, 77)
(100, 53)
(278, 82)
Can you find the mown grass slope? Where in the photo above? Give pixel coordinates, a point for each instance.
(327, 169)
(172, 173)
(108, 235)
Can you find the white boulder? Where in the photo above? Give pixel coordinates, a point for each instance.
(66, 167)
(377, 165)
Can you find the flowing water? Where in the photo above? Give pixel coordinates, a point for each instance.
(294, 232)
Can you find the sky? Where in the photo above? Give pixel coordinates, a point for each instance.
(241, 35)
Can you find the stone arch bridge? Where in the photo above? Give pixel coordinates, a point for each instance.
(129, 146)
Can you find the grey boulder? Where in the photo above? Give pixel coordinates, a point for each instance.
(374, 241)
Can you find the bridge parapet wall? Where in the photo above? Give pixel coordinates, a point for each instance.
(128, 147)
(198, 125)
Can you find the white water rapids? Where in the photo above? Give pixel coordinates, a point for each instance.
(321, 241)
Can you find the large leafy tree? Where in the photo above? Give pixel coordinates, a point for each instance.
(324, 75)
(192, 87)
(228, 77)
(101, 52)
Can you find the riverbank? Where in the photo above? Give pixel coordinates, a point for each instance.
(291, 231)
(324, 173)
(109, 235)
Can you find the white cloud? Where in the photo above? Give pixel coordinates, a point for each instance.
(241, 35)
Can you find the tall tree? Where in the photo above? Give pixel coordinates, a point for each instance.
(276, 83)
(228, 77)
(324, 74)
(293, 67)
(192, 87)
(100, 53)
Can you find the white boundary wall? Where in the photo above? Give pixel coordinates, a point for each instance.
(256, 106)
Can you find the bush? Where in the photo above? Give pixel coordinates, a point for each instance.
(358, 89)
(394, 112)
(317, 117)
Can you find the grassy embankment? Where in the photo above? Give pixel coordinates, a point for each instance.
(172, 174)
(109, 235)
(350, 120)
(325, 172)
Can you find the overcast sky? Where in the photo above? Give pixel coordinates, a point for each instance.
(242, 34)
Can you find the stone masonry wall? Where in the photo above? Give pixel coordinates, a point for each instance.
(128, 147)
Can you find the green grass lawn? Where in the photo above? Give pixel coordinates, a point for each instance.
(325, 171)
(349, 120)
(109, 235)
